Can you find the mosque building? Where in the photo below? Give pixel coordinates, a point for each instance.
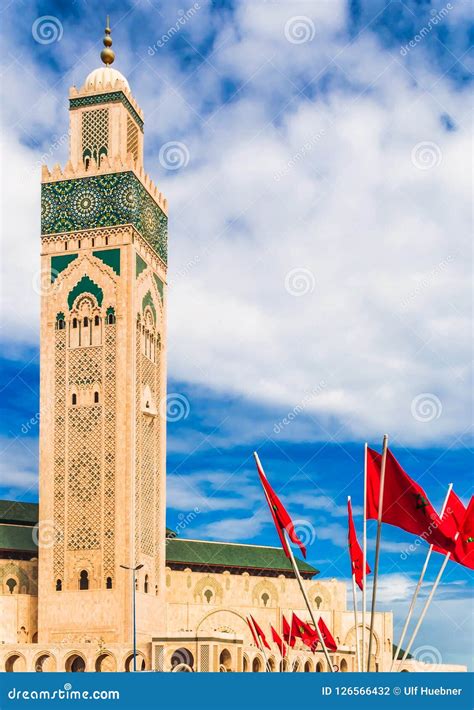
(66, 580)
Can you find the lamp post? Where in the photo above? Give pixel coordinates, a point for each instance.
(134, 615)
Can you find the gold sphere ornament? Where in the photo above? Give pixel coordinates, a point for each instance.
(107, 55)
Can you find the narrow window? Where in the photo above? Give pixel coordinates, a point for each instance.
(78, 243)
(60, 324)
(84, 579)
(96, 398)
(106, 241)
(93, 241)
(65, 246)
(59, 585)
(74, 322)
(145, 585)
(11, 584)
(86, 322)
(96, 320)
(74, 399)
(111, 319)
(108, 583)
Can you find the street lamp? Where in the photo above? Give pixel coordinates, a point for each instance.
(134, 616)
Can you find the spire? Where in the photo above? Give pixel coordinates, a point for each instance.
(107, 55)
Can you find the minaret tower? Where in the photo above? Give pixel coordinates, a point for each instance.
(103, 375)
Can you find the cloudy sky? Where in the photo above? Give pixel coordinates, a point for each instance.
(316, 160)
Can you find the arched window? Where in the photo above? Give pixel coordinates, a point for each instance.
(208, 594)
(111, 318)
(84, 579)
(60, 324)
(96, 398)
(59, 585)
(11, 584)
(265, 598)
(86, 322)
(74, 322)
(108, 583)
(96, 320)
(318, 601)
(145, 584)
(74, 399)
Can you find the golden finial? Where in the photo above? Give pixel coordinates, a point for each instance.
(107, 55)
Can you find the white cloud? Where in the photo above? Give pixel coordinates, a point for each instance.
(384, 241)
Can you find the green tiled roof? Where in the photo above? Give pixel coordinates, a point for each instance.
(17, 537)
(15, 512)
(228, 555)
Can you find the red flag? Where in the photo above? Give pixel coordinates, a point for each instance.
(260, 633)
(287, 633)
(280, 515)
(405, 503)
(331, 644)
(463, 518)
(464, 550)
(355, 551)
(253, 633)
(301, 629)
(279, 642)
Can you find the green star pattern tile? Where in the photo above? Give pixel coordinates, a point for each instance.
(103, 201)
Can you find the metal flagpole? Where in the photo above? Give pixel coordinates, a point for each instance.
(356, 623)
(427, 603)
(364, 560)
(377, 547)
(418, 587)
(308, 605)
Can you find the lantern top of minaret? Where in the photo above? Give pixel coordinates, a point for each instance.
(105, 75)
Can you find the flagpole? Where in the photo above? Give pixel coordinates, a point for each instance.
(354, 602)
(308, 605)
(364, 559)
(260, 644)
(427, 603)
(418, 586)
(377, 548)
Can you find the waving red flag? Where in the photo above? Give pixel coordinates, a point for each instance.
(304, 631)
(280, 515)
(279, 642)
(405, 503)
(463, 519)
(287, 633)
(260, 633)
(328, 638)
(355, 551)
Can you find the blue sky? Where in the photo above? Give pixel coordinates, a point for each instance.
(320, 265)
